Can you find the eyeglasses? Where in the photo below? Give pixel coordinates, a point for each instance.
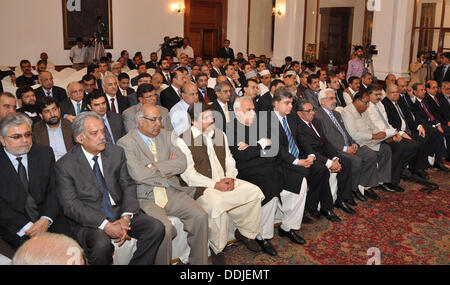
(19, 136)
(365, 102)
(153, 119)
(309, 111)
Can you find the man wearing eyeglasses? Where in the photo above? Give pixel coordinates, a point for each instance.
(28, 203)
(154, 162)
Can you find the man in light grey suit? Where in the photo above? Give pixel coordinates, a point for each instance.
(153, 162)
(364, 160)
(146, 94)
(98, 196)
(312, 92)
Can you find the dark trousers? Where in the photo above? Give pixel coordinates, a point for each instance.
(148, 231)
(402, 154)
(344, 179)
(432, 144)
(319, 187)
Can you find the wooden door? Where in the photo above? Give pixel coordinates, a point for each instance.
(205, 23)
(336, 30)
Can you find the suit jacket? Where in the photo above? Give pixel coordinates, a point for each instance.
(443, 108)
(58, 93)
(224, 54)
(438, 73)
(134, 81)
(332, 132)
(219, 115)
(40, 134)
(340, 98)
(169, 97)
(152, 64)
(211, 95)
(139, 156)
(323, 149)
(165, 79)
(80, 194)
(131, 96)
(312, 98)
(67, 107)
(117, 126)
(265, 103)
(129, 118)
(394, 117)
(122, 102)
(213, 73)
(420, 113)
(41, 176)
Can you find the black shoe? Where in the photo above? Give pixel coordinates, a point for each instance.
(295, 238)
(422, 174)
(218, 259)
(359, 196)
(307, 220)
(388, 187)
(369, 193)
(314, 213)
(267, 247)
(397, 188)
(345, 208)
(331, 216)
(439, 166)
(351, 202)
(251, 244)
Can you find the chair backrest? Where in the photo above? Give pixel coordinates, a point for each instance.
(132, 73)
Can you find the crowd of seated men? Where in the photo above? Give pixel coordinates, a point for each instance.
(109, 158)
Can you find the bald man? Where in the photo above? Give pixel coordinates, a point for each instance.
(75, 103)
(154, 162)
(48, 88)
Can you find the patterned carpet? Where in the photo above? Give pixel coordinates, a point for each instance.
(410, 228)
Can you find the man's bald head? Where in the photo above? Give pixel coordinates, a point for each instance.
(149, 120)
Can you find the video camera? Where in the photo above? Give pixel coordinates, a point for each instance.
(371, 50)
(172, 43)
(430, 56)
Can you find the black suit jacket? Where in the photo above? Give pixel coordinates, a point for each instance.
(443, 108)
(131, 96)
(219, 115)
(340, 98)
(265, 103)
(211, 95)
(223, 53)
(165, 79)
(323, 149)
(213, 73)
(117, 126)
(420, 113)
(169, 98)
(58, 93)
(41, 176)
(122, 102)
(438, 75)
(67, 107)
(80, 194)
(151, 64)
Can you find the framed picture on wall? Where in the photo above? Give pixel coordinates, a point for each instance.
(85, 18)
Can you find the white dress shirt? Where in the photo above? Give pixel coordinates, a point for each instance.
(78, 54)
(329, 161)
(179, 117)
(115, 102)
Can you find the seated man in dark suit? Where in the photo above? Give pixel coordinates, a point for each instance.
(48, 89)
(116, 103)
(99, 197)
(222, 107)
(114, 126)
(172, 95)
(333, 83)
(75, 103)
(89, 84)
(299, 160)
(312, 93)
(53, 131)
(437, 101)
(29, 104)
(310, 132)
(141, 69)
(265, 101)
(205, 93)
(28, 202)
(125, 90)
(442, 73)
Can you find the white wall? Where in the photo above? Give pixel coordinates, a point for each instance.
(260, 30)
(28, 27)
(237, 25)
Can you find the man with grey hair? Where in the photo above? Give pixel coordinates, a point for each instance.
(116, 68)
(59, 250)
(75, 103)
(28, 202)
(7, 104)
(154, 163)
(222, 106)
(116, 103)
(99, 197)
(364, 160)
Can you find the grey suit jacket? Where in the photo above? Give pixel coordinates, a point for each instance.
(116, 123)
(139, 157)
(130, 121)
(312, 98)
(332, 133)
(80, 194)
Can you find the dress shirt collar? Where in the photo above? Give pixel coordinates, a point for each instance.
(145, 138)
(111, 97)
(13, 157)
(90, 157)
(222, 104)
(184, 105)
(196, 132)
(351, 90)
(280, 118)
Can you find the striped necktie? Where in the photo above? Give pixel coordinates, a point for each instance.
(341, 130)
(293, 149)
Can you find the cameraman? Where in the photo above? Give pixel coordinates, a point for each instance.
(356, 66)
(418, 69)
(186, 49)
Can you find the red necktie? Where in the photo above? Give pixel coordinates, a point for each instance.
(430, 116)
(113, 107)
(436, 100)
(205, 95)
(316, 134)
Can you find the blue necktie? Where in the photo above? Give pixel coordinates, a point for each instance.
(107, 209)
(108, 136)
(333, 118)
(381, 116)
(78, 108)
(293, 149)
